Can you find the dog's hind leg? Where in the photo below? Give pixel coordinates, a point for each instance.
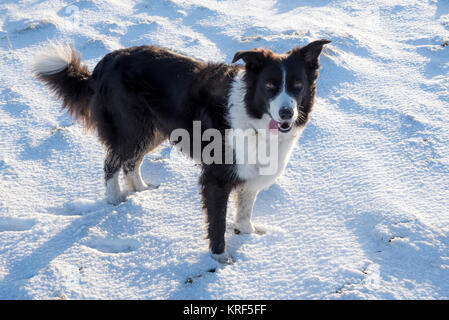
(131, 167)
(112, 165)
(132, 175)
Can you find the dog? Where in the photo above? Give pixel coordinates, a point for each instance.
(136, 97)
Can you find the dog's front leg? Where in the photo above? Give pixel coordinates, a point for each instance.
(244, 200)
(215, 199)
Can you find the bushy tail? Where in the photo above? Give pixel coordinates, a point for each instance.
(60, 69)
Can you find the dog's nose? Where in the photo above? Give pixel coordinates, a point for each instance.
(286, 113)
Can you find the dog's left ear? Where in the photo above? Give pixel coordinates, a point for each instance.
(311, 52)
(253, 59)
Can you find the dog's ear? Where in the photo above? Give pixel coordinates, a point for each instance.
(311, 52)
(253, 59)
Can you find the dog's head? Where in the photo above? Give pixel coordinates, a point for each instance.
(281, 85)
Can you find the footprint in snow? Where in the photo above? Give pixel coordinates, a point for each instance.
(83, 206)
(114, 245)
(14, 224)
(410, 124)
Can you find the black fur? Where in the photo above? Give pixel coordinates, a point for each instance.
(137, 96)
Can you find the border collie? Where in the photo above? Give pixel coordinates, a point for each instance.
(136, 97)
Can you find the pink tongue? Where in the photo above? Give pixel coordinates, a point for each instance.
(273, 127)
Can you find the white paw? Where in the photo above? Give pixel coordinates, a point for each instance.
(147, 187)
(260, 230)
(223, 258)
(247, 228)
(244, 228)
(140, 187)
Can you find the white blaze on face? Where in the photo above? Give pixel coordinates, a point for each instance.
(283, 100)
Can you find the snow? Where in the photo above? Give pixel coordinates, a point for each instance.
(360, 213)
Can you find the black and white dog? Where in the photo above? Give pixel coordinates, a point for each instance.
(136, 97)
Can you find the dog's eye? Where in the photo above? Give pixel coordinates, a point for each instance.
(269, 85)
(297, 85)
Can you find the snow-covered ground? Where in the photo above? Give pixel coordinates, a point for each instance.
(361, 212)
